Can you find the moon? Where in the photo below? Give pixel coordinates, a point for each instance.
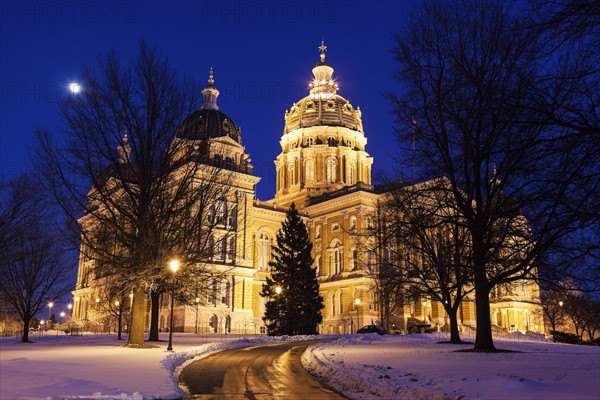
(74, 87)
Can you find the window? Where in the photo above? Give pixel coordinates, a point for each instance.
(335, 226)
(291, 174)
(370, 259)
(219, 253)
(354, 259)
(349, 143)
(333, 304)
(341, 302)
(211, 214)
(331, 170)
(231, 249)
(309, 170)
(352, 223)
(264, 252)
(309, 141)
(212, 292)
(232, 217)
(350, 173)
(217, 160)
(225, 289)
(228, 163)
(220, 212)
(331, 141)
(318, 232)
(318, 265)
(335, 258)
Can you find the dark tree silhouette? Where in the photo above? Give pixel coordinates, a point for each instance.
(470, 111)
(293, 304)
(34, 268)
(141, 193)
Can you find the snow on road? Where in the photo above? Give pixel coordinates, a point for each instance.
(361, 366)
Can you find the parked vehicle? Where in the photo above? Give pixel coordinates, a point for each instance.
(371, 329)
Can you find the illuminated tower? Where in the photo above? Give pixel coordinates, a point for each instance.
(323, 143)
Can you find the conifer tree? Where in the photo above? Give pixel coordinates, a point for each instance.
(293, 302)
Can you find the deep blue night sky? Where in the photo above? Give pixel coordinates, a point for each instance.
(262, 54)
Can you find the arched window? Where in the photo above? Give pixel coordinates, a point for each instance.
(291, 174)
(211, 214)
(264, 252)
(309, 141)
(309, 170)
(352, 223)
(318, 232)
(331, 141)
(220, 212)
(350, 173)
(331, 170)
(341, 303)
(348, 142)
(335, 258)
(217, 160)
(228, 163)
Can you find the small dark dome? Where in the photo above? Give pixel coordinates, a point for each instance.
(208, 123)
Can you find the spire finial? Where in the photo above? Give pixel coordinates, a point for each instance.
(124, 149)
(322, 49)
(210, 93)
(211, 78)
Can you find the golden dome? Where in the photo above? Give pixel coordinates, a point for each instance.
(330, 110)
(323, 106)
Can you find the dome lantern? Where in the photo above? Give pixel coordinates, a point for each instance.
(323, 83)
(210, 93)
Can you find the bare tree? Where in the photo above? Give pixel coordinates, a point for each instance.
(433, 246)
(146, 191)
(552, 306)
(33, 264)
(468, 70)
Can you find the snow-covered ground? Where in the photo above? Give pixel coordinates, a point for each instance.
(361, 366)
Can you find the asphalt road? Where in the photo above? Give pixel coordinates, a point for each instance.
(272, 371)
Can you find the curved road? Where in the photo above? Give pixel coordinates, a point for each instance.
(272, 371)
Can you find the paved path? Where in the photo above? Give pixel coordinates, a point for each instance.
(272, 371)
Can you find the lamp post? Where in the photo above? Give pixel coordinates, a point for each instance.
(50, 305)
(174, 265)
(278, 291)
(197, 302)
(357, 302)
(62, 317)
(70, 307)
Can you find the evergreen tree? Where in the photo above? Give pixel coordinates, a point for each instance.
(293, 302)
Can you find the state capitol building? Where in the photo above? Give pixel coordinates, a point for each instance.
(325, 169)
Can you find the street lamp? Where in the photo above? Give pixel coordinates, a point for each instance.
(62, 317)
(120, 318)
(278, 290)
(357, 302)
(50, 305)
(197, 302)
(560, 303)
(174, 265)
(70, 307)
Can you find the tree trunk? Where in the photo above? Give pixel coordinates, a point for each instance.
(136, 336)
(483, 338)
(153, 335)
(553, 324)
(454, 333)
(119, 327)
(25, 338)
